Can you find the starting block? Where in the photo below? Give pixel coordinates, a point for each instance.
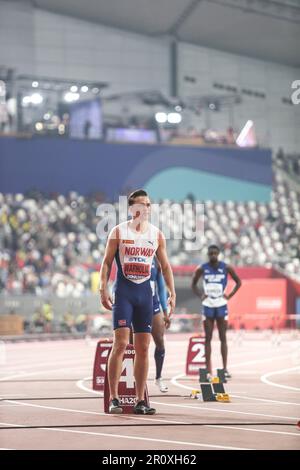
(127, 390)
(221, 375)
(223, 397)
(214, 392)
(205, 378)
(207, 392)
(218, 388)
(215, 380)
(195, 394)
(101, 355)
(203, 375)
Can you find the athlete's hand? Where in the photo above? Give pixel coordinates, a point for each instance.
(203, 297)
(167, 320)
(106, 299)
(227, 297)
(172, 303)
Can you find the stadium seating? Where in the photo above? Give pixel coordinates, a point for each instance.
(48, 244)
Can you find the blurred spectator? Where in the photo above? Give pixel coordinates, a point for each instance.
(86, 129)
(81, 323)
(230, 136)
(68, 323)
(38, 322)
(289, 163)
(47, 313)
(4, 117)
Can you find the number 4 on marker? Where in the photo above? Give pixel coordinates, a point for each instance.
(128, 377)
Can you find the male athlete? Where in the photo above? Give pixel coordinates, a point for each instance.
(160, 320)
(133, 244)
(214, 301)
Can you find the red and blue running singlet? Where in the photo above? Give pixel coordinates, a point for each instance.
(136, 252)
(133, 296)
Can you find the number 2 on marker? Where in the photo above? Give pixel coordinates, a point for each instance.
(200, 356)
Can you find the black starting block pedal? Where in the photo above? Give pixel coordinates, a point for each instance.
(221, 375)
(218, 388)
(214, 392)
(203, 375)
(207, 392)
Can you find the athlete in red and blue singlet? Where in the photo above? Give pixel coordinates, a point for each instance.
(133, 245)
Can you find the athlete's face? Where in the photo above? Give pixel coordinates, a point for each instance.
(213, 254)
(141, 208)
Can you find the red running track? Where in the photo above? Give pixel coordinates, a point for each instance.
(47, 401)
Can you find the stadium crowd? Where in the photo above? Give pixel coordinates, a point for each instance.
(49, 244)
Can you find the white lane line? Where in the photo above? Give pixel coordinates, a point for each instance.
(127, 417)
(55, 408)
(71, 410)
(26, 362)
(231, 411)
(222, 410)
(5, 405)
(13, 395)
(254, 430)
(16, 425)
(89, 390)
(161, 441)
(27, 374)
(138, 438)
(265, 378)
(265, 400)
(214, 426)
(217, 409)
(258, 361)
(136, 418)
(159, 420)
(80, 384)
(36, 361)
(30, 363)
(85, 363)
(82, 362)
(79, 411)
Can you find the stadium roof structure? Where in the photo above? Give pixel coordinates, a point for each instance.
(263, 29)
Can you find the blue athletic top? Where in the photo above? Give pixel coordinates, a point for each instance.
(158, 286)
(214, 283)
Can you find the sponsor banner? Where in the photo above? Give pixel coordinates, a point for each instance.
(259, 304)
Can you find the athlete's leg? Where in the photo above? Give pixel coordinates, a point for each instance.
(122, 318)
(209, 328)
(141, 363)
(158, 330)
(222, 328)
(121, 339)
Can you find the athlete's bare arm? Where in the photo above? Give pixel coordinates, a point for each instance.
(237, 281)
(196, 276)
(162, 257)
(110, 251)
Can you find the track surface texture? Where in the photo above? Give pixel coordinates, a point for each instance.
(47, 401)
